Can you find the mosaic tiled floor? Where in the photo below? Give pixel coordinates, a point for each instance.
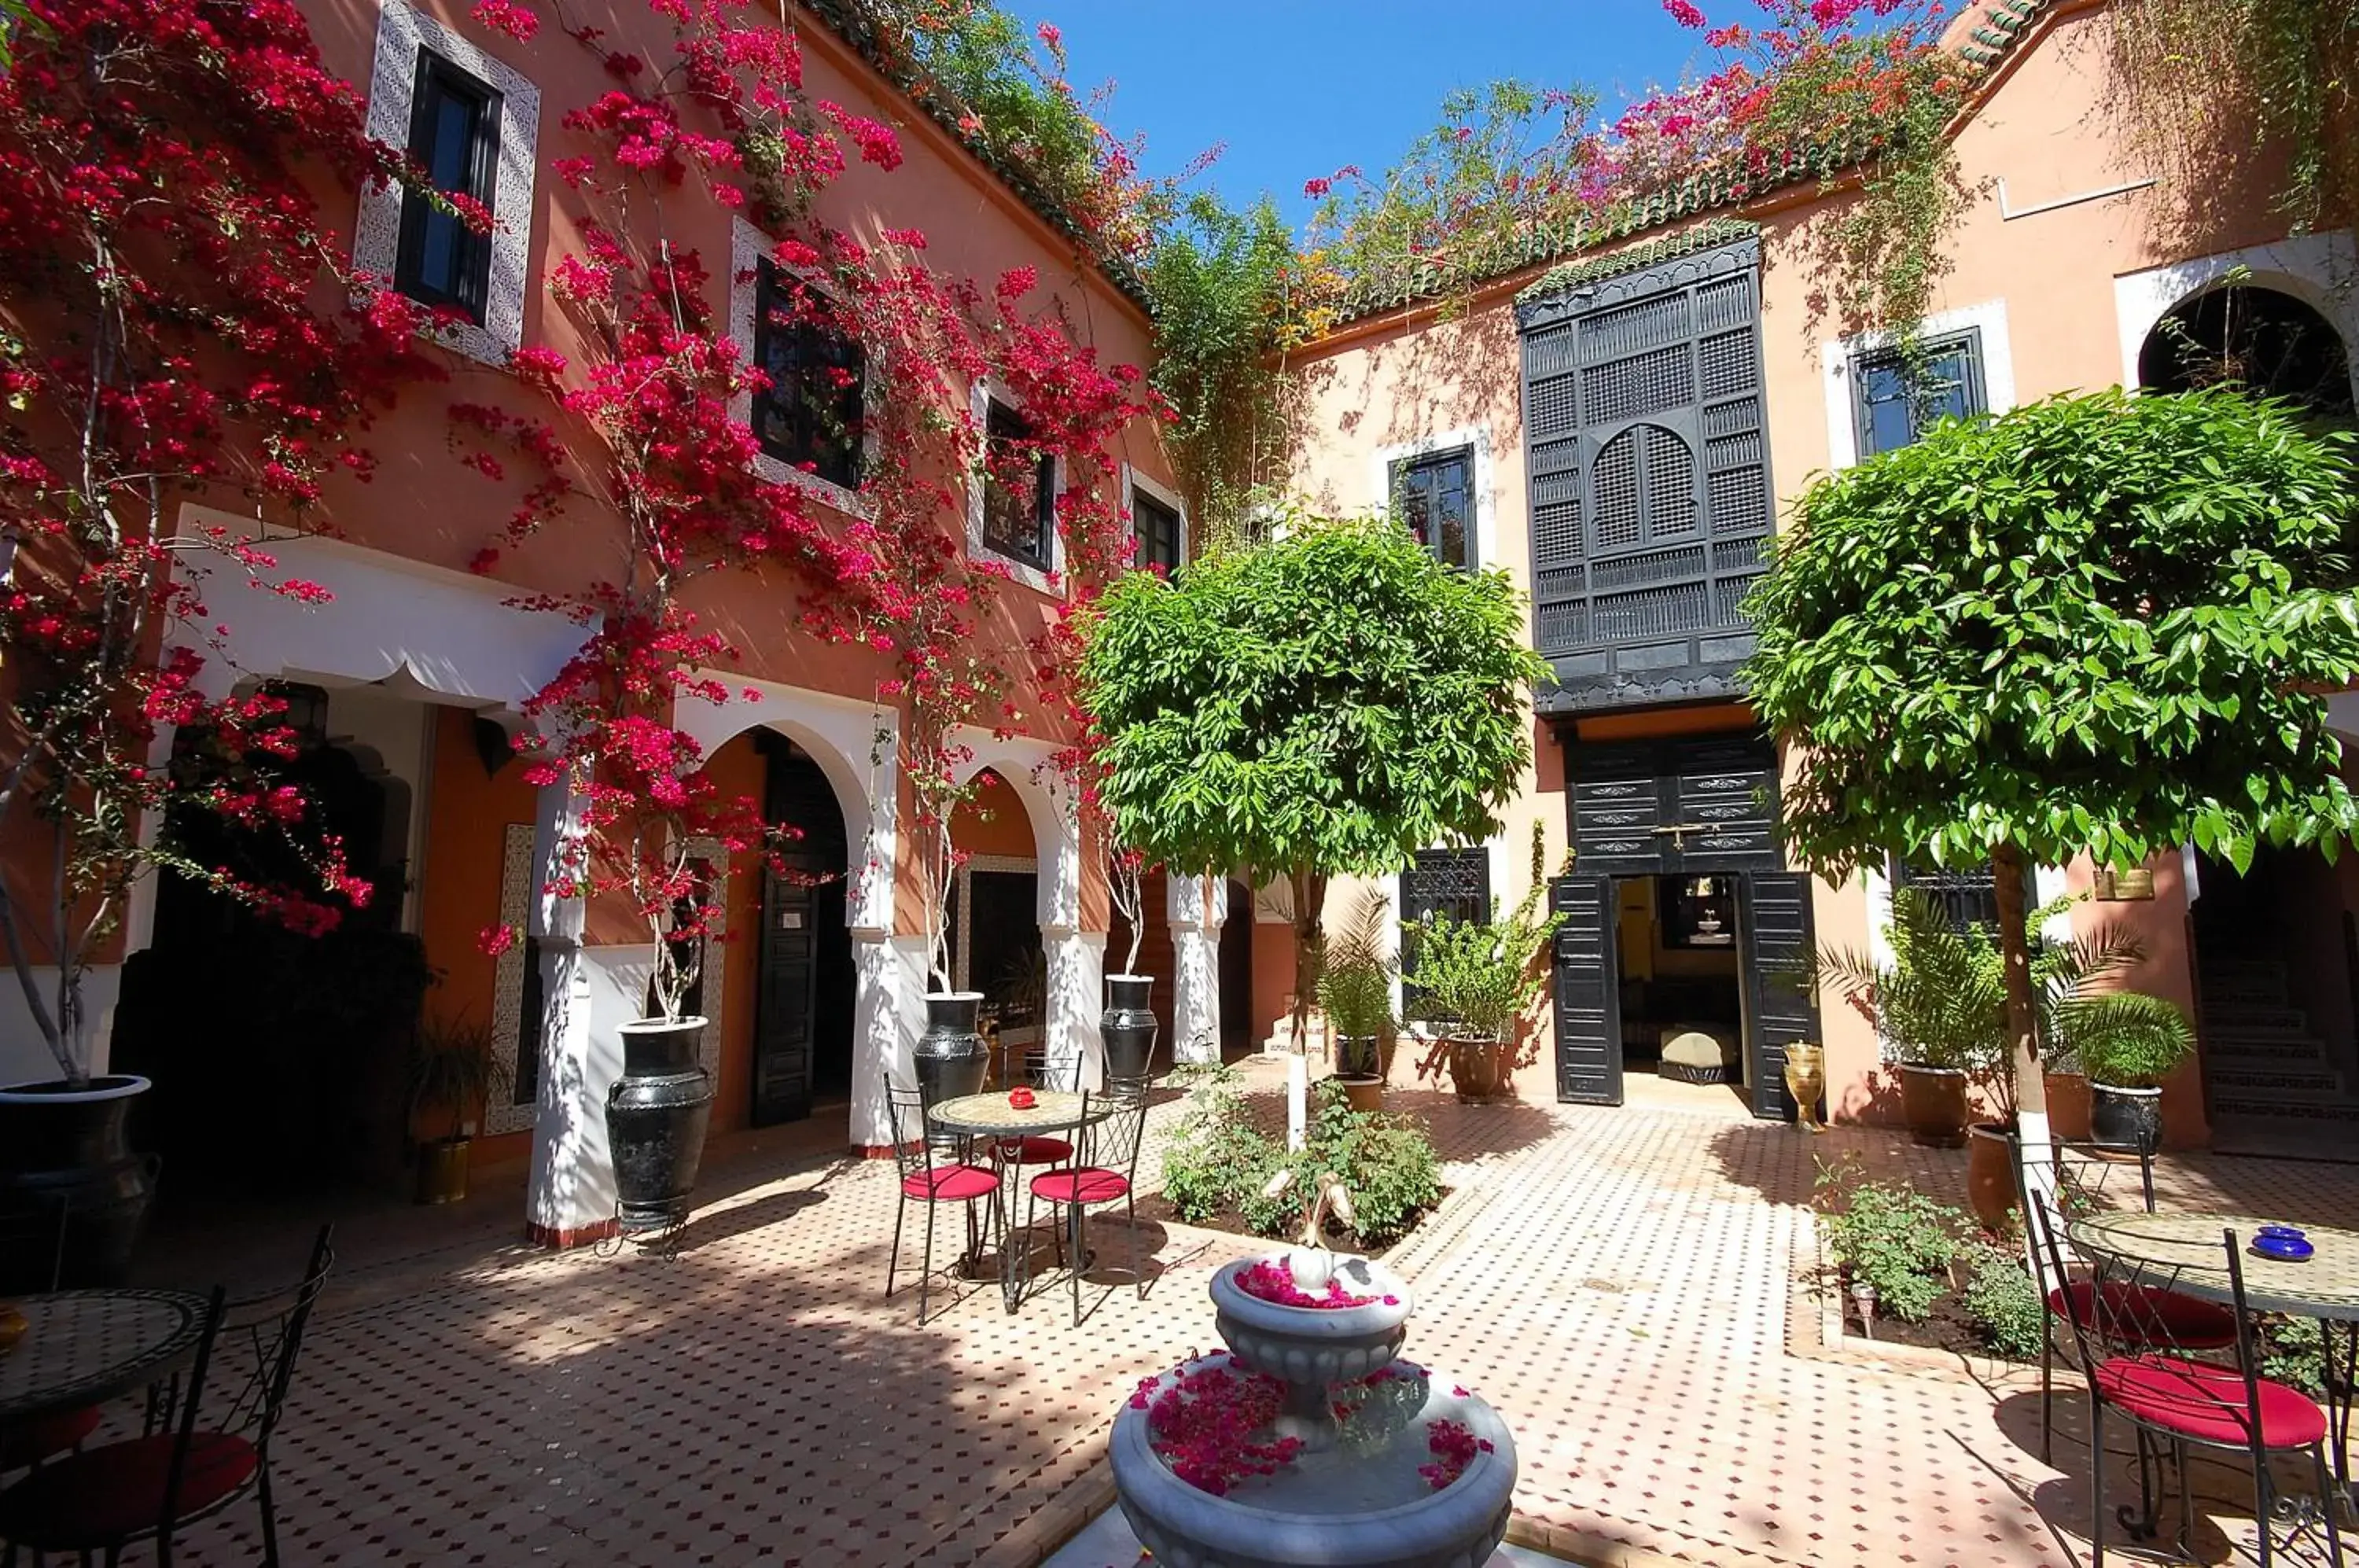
(1619, 1282)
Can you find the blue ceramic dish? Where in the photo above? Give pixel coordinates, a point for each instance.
(2281, 1232)
(2283, 1248)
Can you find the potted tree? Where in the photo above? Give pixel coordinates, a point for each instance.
(1967, 637)
(1476, 978)
(1355, 991)
(2128, 1043)
(1326, 703)
(1128, 1025)
(453, 1073)
(1940, 1004)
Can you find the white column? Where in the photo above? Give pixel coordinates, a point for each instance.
(1076, 1002)
(572, 1196)
(1197, 907)
(887, 1013)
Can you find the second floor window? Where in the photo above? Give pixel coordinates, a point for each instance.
(1894, 400)
(1433, 495)
(454, 134)
(810, 417)
(1158, 527)
(1019, 515)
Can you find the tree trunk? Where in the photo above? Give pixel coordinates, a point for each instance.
(1309, 892)
(2022, 1008)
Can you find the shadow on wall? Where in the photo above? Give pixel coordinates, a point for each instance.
(1874, 1100)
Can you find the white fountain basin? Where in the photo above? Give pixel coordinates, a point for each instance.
(1361, 1504)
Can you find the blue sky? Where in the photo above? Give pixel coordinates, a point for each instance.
(1297, 88)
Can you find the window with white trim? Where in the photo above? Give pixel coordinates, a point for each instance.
(454, 134)
(1160, 532)
(813, 415)
(1897, 396)
(1433, 495)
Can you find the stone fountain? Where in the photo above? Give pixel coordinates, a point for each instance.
(1384, 1463)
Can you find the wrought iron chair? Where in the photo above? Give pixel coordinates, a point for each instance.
(1105, 1170)
(929, 1179)
(2074, 1300)
(2175, 1403)
(1041, 1071)
(212, 1453)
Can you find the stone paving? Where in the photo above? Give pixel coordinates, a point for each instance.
(1622, 1283)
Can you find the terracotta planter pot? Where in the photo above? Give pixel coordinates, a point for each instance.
(1934, 1101)
(2068, 1106)
(1990, 1174)
(1364, 1093)
(443, 1170)
(1477, 1067)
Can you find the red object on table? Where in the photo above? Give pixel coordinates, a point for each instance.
(1019, 1098)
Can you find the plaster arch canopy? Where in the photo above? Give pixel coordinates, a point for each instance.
(1076, 958)
(2320, 270)
(855, 744)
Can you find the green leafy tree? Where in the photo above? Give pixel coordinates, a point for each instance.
(1325, 704)
(2101, 623)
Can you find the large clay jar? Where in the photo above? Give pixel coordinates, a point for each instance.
(657, 1115)
(1475, 1067)
(2068, 1106)
(1129, 1027)
(1934, 1101)
(1990, 1174)
(950, 1058)
(68, 1178)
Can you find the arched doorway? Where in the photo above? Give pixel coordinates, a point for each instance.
(2276, 948)
(805, 980)
(278, 1056)
(2254, 336)
(1237, 1037)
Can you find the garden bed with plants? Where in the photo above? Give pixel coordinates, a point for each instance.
(1222, 1165)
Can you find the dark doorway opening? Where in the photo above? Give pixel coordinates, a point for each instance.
(277, 1057)
(803, 1014)
(1681, 975)
(1236, 975)
(2259, 338)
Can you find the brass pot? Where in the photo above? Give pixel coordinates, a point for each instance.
(1806, 1079)
(443, 1170)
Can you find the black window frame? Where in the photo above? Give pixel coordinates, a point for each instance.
(1397, 489)
(1422, 891)
(1004, 421)
(1145, 504)
(1973, 380)
(437, 78)
(838, 456)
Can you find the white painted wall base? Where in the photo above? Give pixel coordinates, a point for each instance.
(1076, 1002)
(24, 1055)
(889, 1013)
(572, 1185)
(1197, 907)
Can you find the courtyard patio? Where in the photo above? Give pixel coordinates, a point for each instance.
(1628, 1286)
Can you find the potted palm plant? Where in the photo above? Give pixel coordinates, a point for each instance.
(1476, 978)
(453, 1073)
(2128, 1042)
(1940, 1005)
(1355, 990)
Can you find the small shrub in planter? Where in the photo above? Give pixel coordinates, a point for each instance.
(2004, 1304)
(1891, 1236)
(1210, 1148)
(1219, 1162)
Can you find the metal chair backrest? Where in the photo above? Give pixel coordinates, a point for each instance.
(184, 1430)
(2135, 1299)
(2089, 1177)
(1044, 1070)
(2045, 1226)
(1111, 1142)
(918, 1146)
(265, 1332)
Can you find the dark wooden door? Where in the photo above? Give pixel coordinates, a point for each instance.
(789, 1004)
(1774, 931)
(1588, 992)
(1658, 808)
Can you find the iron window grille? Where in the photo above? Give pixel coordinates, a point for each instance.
(1018, 522)
(1897, 395)
(1966, 898)
(1158, 528)
(1452, 882)
(1433, 495)
(454, 134)
(810, 415)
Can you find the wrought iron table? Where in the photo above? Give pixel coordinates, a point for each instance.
(2185, 1252)
(989, 1115)
(83, 1346)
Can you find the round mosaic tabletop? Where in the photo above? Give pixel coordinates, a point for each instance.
(2190, 1250)
(992, 1116)
(82, 1347)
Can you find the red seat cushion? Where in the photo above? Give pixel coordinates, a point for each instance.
(2195, 1400)
(29, 1443)
(1090, 1184)
(1034, 1151)
(2144, 1314)
(952, 1183)
(116, 1490)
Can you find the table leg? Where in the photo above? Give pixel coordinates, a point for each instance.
(2340, 1342)
(1015, 1260)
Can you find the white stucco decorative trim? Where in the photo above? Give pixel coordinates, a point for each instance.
(962, 972)
(748, 248)
(979, 396)
(1486, 509)
(1028, 767)
(854, 744)
(508, 980)
(401, 32)
(1836, 362)
(2317, 269)
(1133, 482)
